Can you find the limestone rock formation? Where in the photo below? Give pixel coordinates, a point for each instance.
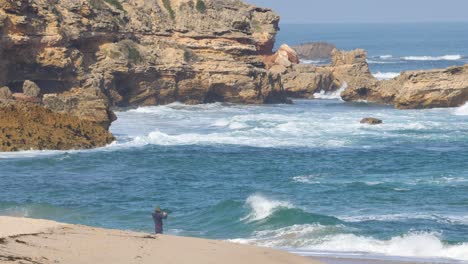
(433, 88)
(284, 56)
(412, 89)
(415, 89)
(5, 93)
(371, 121)
(141, 52)
(314, 50)
(26, 126)
(302, 81)
(31, 89)
(87, 104)
(82, 57)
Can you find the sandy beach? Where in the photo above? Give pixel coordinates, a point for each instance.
(24, 240)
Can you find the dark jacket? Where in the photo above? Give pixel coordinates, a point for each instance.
(158, 221)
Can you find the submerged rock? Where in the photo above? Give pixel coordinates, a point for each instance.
(31, 89)
(314, 50)
(28, 126)
(371, 121)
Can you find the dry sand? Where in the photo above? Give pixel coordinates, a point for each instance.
(24, 240)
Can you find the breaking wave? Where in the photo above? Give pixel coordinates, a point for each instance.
(433, 58)
(262, 207)
(385, 57)
(316, 237)
(386, 75)
(331, 95)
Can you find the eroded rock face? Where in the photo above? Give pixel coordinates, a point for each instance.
(434, 88)
(5, 93)
(87, 104)
(415, 89)
(26, 126)
(141, 52)
(303, 81)
(81, 57)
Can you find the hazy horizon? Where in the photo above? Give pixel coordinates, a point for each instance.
(368, 11)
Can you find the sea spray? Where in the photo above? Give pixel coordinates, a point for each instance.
(321, 238)
(385, 75)
(462, 110)
(331, 95)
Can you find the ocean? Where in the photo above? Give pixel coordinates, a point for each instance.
(305, 177)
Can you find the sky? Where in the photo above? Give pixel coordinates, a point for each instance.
(367, 11)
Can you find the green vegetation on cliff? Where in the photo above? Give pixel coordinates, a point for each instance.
(201, 7)
(167, 5)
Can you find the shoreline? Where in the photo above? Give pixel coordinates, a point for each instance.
(26, 240)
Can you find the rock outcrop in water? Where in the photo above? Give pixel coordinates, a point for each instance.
(417, 89)
(371, 121)
(412, 89)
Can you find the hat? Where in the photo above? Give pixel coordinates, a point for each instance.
(157, 209)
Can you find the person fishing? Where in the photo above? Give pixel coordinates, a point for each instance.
(158, 217)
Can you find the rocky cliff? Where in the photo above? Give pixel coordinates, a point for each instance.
(138, 52)
(82, 57)
(417, 89)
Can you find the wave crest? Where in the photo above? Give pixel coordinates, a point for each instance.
(319, 238)
(262, 207)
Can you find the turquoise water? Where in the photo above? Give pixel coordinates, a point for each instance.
(306, 177)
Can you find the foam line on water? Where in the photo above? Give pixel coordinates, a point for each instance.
(433, 58)
(445, 219)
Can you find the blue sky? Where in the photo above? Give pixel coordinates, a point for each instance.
(380, 11)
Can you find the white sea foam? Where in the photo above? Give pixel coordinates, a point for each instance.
(433, 58)
(385, 75)
(262, 207)
(386, 57)
(462, 110)
(326, 239)
(381, 62)
(313, 61)
(309, 179)
(331, 95)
